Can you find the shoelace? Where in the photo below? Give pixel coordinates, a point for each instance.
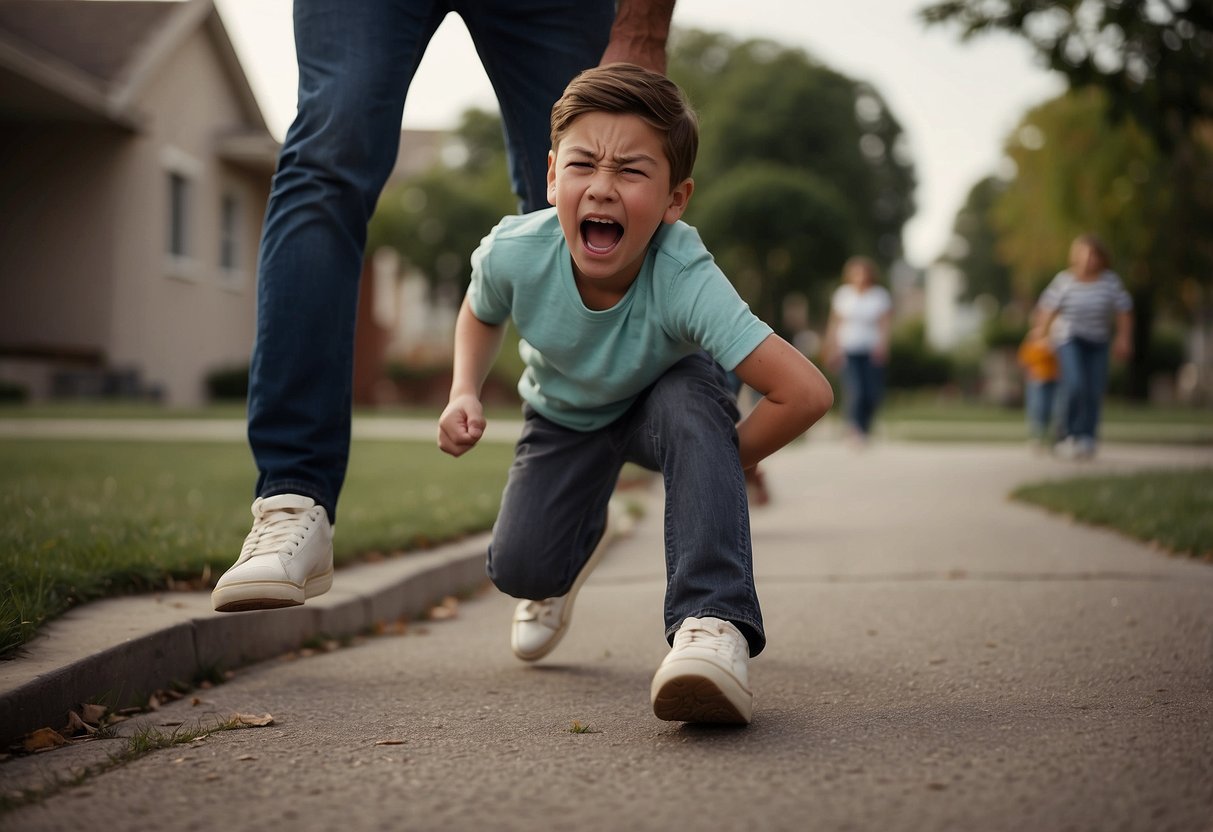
(715, 638)
(277, 532)
(546, 612)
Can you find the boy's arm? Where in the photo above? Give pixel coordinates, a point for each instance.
(794, 395)
(462, 423)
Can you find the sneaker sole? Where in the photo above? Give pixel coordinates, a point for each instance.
(269, 595)
(693, 690)
(567, 613)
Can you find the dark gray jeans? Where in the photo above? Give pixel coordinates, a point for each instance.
(554, 508)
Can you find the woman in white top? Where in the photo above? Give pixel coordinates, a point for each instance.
(1084, 301)
(857, 341)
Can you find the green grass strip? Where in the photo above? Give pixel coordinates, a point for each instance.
(84, 520)
(1172, 508)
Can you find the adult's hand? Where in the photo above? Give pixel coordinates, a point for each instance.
(639, 34)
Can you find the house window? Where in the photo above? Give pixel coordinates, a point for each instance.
(178, 215)
(230, 249)
(182, 174)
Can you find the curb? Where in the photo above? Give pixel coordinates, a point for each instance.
(120, 650)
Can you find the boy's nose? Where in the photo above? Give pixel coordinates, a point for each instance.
(602, 186)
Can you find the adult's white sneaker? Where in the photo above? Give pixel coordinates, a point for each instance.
(705, 676)
(286, 558)
(539, 626)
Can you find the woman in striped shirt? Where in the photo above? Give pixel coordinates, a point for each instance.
(1078, 309)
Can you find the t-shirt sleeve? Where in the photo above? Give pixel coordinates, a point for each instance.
(709, 312)
(489, 297)
(1050, 298)
(1122, 300)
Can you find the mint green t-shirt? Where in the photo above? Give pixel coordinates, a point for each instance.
(584, 367)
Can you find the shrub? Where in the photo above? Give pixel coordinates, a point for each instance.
(228, 383)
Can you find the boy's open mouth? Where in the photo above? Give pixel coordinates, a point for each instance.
(600, 235)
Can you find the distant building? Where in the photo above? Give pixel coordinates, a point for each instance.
(136, 169)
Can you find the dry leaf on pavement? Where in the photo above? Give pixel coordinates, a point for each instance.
(92, 714)
(43, 739)
(252, 720)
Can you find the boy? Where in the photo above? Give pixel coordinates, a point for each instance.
(616, 302)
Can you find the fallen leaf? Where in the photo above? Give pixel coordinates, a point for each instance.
(76, 725)
(153, 703)
(449, 608)
(253, 721)
(246, 757)
(171, 723)
(116, 718)
(42, 739)
(390, 742)
(93, 714)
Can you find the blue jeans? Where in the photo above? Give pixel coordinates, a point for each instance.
(554, 508)
(1084, 375)
(864, 382)
(1039, 397)
(356, 61)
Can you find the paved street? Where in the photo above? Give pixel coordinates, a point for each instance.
(939, 658)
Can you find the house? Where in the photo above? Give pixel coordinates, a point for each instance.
(136, 169)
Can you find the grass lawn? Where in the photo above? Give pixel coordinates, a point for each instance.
(1171, 508)
(84, 520)
(931, 418)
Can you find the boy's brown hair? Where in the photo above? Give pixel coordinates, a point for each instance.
(632, 90)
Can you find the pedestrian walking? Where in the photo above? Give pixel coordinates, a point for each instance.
(1078, 310)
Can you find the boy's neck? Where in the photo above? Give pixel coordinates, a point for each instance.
(599, 296)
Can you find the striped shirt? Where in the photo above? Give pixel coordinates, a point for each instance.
(1085, 308)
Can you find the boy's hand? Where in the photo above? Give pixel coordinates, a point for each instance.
(461, 425)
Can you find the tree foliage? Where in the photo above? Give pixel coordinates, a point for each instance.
(436, 219)
(1154, 58)
(813, 162)
(1074, 174)
(974, 246)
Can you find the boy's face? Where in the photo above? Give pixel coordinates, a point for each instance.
(610, 182)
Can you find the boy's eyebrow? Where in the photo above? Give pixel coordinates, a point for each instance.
(618, 160)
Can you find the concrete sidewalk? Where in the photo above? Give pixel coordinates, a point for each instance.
(940, 658)
(122, 649)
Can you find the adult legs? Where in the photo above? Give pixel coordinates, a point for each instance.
(356, 60)
(531, 49)
(1084, 372)
(864, 381)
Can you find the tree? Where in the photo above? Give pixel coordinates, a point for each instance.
(1153, 62)
(974, 247)
(777, 231)
(826, 147)
(1154, 58)
(437, 218)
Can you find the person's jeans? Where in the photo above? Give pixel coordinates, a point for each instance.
(864, 382)
(1084, 375)
(1039, 396)
(356, 61)
(554, 508)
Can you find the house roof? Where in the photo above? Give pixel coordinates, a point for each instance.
(85, 60)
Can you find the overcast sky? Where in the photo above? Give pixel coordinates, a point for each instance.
(957, 102)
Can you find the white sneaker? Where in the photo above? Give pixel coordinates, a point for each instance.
(705, 677)
(540, 625)
(286, 558)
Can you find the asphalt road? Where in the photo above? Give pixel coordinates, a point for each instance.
(939, 658)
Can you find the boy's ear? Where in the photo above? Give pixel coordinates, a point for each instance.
(680, 197)
(551, 177)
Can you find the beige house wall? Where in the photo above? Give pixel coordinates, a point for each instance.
(178, 319)
(57, 237)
